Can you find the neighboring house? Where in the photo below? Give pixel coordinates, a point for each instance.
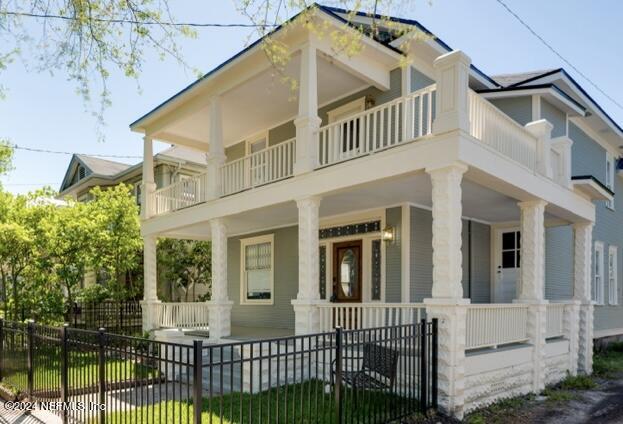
(173, 165)
(387, 192)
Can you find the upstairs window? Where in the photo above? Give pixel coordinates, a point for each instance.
(610, 177)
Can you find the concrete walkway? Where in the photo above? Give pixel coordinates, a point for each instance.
(8, 416)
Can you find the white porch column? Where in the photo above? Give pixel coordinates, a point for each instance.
(150, 284)
(452, 104)
(583, 236)
(531, 287)
(307, 123)
(447, 303)
(572, 330)
(216, 151)
(149, 183)
(542, 130)
(307, 318)
(220, 305)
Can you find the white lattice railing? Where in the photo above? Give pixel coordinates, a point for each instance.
(182, 315)
(497, 130)
(555, 320)
(492, 325)
(355, 316)
(263, 167)
(184, 193)
(378, 128)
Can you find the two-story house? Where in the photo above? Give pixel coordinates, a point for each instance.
(386, 193)
(173, 165)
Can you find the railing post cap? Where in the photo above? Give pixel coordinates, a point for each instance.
(450, 58)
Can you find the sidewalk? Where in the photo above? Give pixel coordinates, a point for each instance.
(36, 417)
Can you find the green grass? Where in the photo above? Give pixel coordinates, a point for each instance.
(609, 363)
(82, 372)
(578, 382)
(500, 411)
(558, 395)
(306, 402)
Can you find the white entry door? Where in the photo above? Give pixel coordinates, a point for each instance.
(508, 246)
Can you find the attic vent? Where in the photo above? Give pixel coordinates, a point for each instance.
(81, 172)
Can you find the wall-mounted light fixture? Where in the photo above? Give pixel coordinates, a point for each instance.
(388, 234)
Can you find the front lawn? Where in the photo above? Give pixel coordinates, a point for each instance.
(303, 402)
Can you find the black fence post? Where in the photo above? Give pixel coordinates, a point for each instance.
(338, 375)
(198, 379)
(423, 367)
(64, 362)
(102, 374)
(434, 359)
(1, 347)
(29, 337)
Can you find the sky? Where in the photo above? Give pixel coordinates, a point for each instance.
(42, 109)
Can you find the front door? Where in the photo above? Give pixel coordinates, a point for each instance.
(507, 264)
(347, 271)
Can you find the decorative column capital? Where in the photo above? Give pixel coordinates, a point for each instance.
(535, 205)
(308, 202)
(456, 169)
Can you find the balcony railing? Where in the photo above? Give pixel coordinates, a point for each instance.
(555, 320)
(263, 167)
(390, 124)
(498, 131)
(179, 195)
(379, 128)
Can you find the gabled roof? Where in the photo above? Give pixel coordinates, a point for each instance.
(383, 39)
(563, 81)
(507, 80)
(102, 167)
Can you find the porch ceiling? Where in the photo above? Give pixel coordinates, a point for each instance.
(263, 101)
(479, 203)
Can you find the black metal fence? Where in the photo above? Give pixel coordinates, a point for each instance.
(362, 376)
(124, 317)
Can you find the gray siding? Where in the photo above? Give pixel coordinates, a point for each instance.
(235, 151)
(281, 313)
(559, 263)
(281, 133)
(518, 108)
(589, 158)
(556, 117)
(421, 254)
(393, 260)
(419, 80)
(422, 258)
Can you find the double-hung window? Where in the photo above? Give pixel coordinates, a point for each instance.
(610, 162)
(257, 264)
(598, 270)
(613, 283)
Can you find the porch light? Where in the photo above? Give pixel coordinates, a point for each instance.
(388, 234)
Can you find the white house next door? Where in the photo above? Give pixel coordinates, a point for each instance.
(507, 257)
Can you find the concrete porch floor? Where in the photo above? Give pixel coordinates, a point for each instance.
(238, 333)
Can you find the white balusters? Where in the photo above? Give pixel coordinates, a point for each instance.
(183, 315)
(492, 325)
(355, 316)
(499, 131)
(263, 167)
(378, 128)
(186, 192)
(555, 320)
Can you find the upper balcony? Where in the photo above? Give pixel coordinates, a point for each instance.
(403, 120)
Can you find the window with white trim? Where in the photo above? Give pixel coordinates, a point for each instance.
(613, 283)
(610, 177)
(257, 264)
(598, 274)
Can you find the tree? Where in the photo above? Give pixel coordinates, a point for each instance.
(185, 263)
(87, 39)
(16, 252)
(116, 238)
(66, 245)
